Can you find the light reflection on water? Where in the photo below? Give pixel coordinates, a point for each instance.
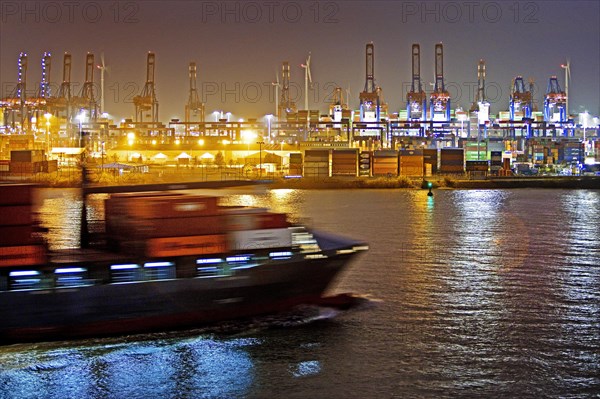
(484, 293)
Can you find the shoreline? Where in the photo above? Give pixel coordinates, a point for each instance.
(313, 183)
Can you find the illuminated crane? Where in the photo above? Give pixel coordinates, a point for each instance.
(286, 106)
(481, 105)
(337, 105)
(194, 107)
(146, 101)
(520, 100)
(369, 98)
(555, 102)
(86, 102)
(16, 102)
(39, 103)
(416, 100)
(439, 100)
(62, 103)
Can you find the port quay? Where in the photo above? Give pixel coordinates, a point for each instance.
(56, 129)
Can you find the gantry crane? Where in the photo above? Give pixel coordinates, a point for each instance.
(194, 107)
(416, 100)
(146, 102)
(481, 105)
(520, 100)
(16, 102)
(555, 102)
(62, 103)
(38, 104)
(369, 98)
(286, 105)
(439, 100)
(338, 105)
(86, 101)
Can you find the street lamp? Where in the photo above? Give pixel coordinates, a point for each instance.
(260, 143)
(216, 114)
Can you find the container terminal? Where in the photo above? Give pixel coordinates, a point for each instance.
(47, 131)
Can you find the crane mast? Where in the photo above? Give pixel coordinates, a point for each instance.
(370, 69)
(193, 107)
(286, 105)
(416, 102)
(555, 102)
(87, 98)
(370, 97)
(520, 100)
(338, 105)
(62, 103)
(16, 102)
(146, 101)
(440, 99)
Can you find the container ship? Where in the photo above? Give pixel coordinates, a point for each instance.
(169, 261)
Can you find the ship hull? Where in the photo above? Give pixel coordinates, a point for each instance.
(180, 303)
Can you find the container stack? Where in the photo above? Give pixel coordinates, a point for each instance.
(344, 162)
(316, 163)
(169, 225)
(452, 160)
(385, 163)
(27, 161)
(18, 245)
(411, 163)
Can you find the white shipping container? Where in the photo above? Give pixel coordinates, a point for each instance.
(257, 239)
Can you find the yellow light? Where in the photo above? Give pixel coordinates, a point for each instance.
(153, 142)
(177, 141)
(130, 138)
(48, 115)
(225, 142)
(201, 142)
(248, 136)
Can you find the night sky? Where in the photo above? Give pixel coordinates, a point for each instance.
(239, 46)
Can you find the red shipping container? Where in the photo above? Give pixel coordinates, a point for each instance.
(15, 215)
(24, 255)
(125, 228)
(157, 207)
(16, 194)
(16, 235)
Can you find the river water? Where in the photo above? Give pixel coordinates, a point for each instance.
(469, 293)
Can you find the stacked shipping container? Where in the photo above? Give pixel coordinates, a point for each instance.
(452, 160)
(163, 225)
(344, 162)
(316, 163)
(18, 246)
(385, 163)
(411, 162)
